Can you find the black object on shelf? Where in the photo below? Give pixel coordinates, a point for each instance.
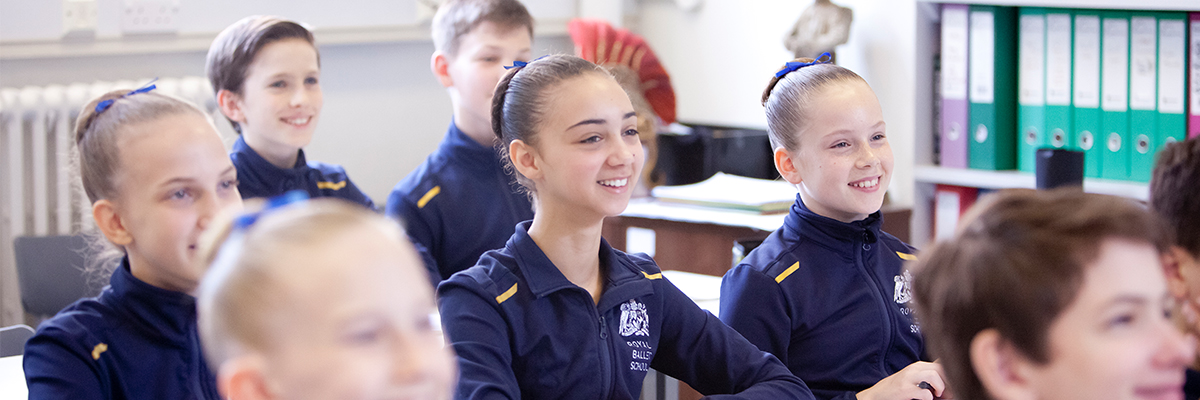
(1058, 167)
(694, 157)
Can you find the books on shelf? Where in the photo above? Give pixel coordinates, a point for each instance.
(1118, 85)
(732, 192)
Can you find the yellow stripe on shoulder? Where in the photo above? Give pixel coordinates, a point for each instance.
(100, 348)
(331, 185)
(787, 272)
(507, 293)
(906, 256)
(652, 276)
(428, 196)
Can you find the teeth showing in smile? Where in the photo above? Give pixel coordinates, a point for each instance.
(298, 121)
(615, 182)
(866, 184)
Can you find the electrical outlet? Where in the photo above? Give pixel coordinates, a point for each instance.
(150, 16)
(79, 16)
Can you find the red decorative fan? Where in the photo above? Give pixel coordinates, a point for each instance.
(600, 43)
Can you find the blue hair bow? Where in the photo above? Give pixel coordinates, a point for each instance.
(825, 58)
(245, 220)
(518, 63)
(104, 105)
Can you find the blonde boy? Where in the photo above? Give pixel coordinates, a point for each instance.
(461, 202)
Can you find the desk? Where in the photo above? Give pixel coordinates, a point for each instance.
(701, 239)
(12, 379)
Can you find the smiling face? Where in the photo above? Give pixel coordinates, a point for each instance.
(1115, 341)
(587, 156)
(173, 179)
(281, 99)
(360, 324)
(844, 163)
(473, 73)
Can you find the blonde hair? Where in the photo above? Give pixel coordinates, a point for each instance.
(243, 284)
(97, 157)
(786, 98)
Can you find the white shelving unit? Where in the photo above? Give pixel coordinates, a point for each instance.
(927, 175)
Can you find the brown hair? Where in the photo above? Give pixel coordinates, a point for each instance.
(519, 105)
(243, 285)
(234, 49)
(1017, 262)
(1175, 194)
(98, 133)
(786, 98)
(456, 18)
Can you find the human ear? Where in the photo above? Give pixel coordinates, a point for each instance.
(1004, 373)
(786, 167)
(108, 220)
(524, 159)
(231, 105)
(243, 378)
(440, 64)
(1173, 261)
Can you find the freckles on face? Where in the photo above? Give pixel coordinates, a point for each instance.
(844, 161)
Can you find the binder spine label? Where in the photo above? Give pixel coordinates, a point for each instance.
(1143, 63)
(983, 55)
(1171, 49)
(1058, 59)
(1115, 74)
(1032, 77)
(954, 53)
(1087, 61)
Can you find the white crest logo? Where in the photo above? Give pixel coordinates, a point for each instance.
(903, 292)
(634, 320)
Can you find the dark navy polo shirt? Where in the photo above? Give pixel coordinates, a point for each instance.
(522, 330)
(257, 177)
(133, 341)
(460, 202)
(830, 299)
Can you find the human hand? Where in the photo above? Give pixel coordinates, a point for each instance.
(918, 381)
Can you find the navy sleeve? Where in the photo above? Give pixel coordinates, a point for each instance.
(430, 264)
(418, 229)
(353, 193)
(479, 335)
(753, 304)
(58, 367)
(700, 350)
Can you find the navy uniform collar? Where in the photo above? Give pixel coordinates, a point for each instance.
(257, 163)
(466, 151)
(171, 313)
(829, 230)
(624, 281)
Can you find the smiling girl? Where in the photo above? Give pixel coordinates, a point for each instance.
(826, 293)
(156, 173)
(557, 312)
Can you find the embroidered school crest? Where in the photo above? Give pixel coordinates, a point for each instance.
(903, 292)
(634, 320)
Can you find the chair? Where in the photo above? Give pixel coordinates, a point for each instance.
(12, 339)
(50, 272)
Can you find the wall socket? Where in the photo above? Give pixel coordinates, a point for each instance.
(79, 17)
(150, 16)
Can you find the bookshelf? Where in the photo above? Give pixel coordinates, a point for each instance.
(927, 174)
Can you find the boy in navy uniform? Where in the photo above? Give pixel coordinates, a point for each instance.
(266, 74)
(461, 202)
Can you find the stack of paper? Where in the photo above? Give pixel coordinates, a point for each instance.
(732, 192)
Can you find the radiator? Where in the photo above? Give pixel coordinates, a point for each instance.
(40, 194)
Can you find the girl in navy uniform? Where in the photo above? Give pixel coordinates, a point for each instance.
(156, 173)
(320, 300)
(827, 292)
(266, 73)
(557, 313)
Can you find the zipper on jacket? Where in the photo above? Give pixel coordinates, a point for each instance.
(879, 292)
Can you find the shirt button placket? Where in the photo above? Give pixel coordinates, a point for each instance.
(603, 331)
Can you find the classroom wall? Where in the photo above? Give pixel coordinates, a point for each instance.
(722, 55)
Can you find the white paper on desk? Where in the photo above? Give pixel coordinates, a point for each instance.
(732, 191)
(652, 209)
(704, 290)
